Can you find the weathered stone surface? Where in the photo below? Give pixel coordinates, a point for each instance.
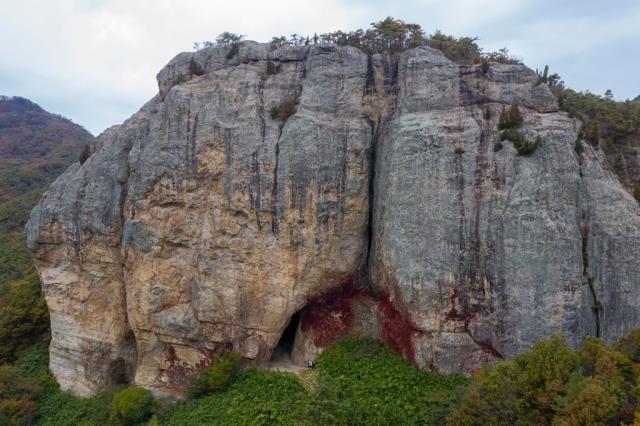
(216, 221)
(203, 224)
(482, 249)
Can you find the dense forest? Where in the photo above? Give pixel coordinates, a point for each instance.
(35, 147)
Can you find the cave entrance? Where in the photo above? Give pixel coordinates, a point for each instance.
(281, 358)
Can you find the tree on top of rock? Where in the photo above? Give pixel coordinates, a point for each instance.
(229, 38)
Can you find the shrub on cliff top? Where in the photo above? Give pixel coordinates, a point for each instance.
(388, 36)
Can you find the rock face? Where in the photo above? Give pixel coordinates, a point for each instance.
(270, 200)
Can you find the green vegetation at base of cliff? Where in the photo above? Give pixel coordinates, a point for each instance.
(257, 397)
(355, 382)
(554, 384)
(362, 382)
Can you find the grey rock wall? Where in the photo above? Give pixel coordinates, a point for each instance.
(376, 206)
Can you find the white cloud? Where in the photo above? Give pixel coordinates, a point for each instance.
(102, 51)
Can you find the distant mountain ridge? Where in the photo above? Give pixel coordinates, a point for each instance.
(35, 147)
(637, 99)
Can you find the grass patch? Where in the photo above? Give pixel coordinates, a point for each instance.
(257, 397)
(366, 383)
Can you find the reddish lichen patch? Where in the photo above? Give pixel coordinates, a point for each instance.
(457, 312)
(328, 317)
(397, 331)
(177, 374)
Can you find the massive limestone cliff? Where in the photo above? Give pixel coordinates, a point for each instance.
(312, 193)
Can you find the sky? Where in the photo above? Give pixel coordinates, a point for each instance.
(95, 61)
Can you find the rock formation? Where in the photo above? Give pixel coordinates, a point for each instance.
(315, 193)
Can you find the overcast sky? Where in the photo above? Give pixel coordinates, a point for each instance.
(95, 61)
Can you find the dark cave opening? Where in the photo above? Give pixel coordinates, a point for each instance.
(283, 350)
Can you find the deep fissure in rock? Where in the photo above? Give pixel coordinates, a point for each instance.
(586, 273)
(585, 228)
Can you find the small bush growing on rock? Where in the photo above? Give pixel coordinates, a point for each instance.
(504, 117)
(579, 147)
(513, 135)
(592, 132)
(526, 147)
(520, 142)
(272, 68)
(233, 51)
(286, 109)
(229, 38)
(132, 406)
(484, 65)
(273, 112)
(219, 376)
(263, 75)
(510, 118)
(510, 122)
(84, 154)
(458, 148)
